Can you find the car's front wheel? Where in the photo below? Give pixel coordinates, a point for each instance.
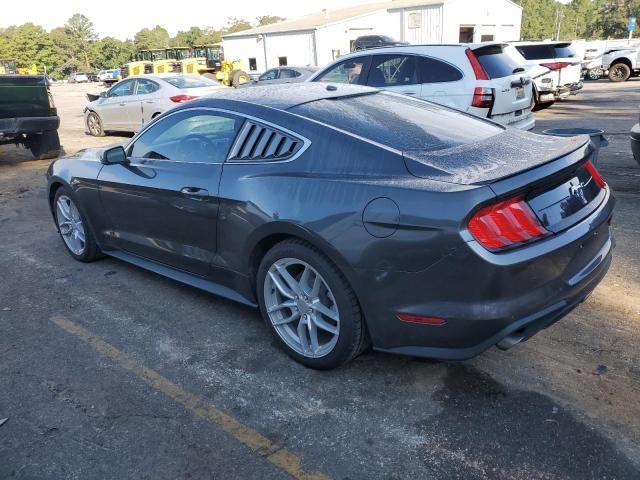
(619, 72)
(310, 306)
(73, 227)
(94, 125)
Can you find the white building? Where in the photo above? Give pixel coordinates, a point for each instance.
(317, 39)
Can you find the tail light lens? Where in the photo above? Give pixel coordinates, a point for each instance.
(505, 224)
(182, 98)
(555, 65)
(595, 174)
(482, 97)
(478, 69)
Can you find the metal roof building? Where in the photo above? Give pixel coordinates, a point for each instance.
(319, 38)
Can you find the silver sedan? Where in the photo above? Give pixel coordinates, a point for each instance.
(134, 101)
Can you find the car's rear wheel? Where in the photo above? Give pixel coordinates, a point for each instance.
(94, 125)
(619, 72)
(310, 306)
(73, 227)
(44, 145)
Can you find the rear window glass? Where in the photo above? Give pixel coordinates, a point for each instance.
(190, 82)
(496, 61)
(399, 122)
(536, 52)
(564, 50)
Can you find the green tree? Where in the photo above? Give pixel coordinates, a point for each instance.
(110, 52)
(189, 38)
(157, 37)
(236, 25)
(538, 19)
(31, 44)
(269, 19)
(80, 33)
(612, 16)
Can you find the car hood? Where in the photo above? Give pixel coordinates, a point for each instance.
(503, 155)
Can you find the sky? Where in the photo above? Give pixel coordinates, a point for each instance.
(123, 18)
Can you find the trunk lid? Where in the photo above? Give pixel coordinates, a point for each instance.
(495, 158)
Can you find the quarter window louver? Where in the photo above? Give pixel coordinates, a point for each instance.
(257, 142)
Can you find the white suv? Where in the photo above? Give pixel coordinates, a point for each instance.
(476, 78)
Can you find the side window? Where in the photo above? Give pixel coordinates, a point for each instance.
(269, 75)
(121, 89)
(347, 71)
(188, 136)
(288, 73)
(144, 86)
(431, 70)
(536, 52)
(392, 71)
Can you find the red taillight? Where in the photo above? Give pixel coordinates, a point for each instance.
(595, 174)
(482, 97)
(478, 69)
(182, 98)
(505, 224)
(421, 319)
(555, 65)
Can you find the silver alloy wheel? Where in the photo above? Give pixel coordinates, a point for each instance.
(93, 123)
(301, 307)
(70, 225)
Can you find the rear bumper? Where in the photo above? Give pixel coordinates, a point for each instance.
(575, 87)
(490, 299)
(526, 121)
(15, 126)
(635, 142)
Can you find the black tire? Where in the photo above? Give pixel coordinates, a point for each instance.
(352, 336)
(619, 72)
(94, 125)
(541, 106)
(238, 77)
(44, 145)
(91, 250)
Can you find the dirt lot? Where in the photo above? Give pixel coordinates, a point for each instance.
(108, 371)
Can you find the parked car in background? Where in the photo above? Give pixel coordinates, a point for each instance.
(282, 75)
(622, 63)
(545, 88)
(93, 77)
(351, 216)
(109, 76)
(28, 115)
(78, 77)
(135, 101)
(374, 41)
(476, 78)
(560, 58)
(635, 142)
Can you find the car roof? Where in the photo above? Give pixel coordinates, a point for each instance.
(285, 96)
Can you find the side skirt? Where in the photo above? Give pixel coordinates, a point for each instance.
(182, 277)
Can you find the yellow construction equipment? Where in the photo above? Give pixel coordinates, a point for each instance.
(9, 66)
(209, 60)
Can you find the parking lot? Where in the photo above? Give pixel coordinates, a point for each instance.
(109, 371)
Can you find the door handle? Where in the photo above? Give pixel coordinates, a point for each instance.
(122, 104)
(148, 101)
(410, 93)
(195, 193)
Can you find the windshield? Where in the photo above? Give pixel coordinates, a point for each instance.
(564, 50)
(399, 122)
(191, 81)
(158, 55)
(214, 53)
(496, 61)
(7, 66)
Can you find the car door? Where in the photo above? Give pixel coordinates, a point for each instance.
(151, 102)
(444, 83)
(112, 109)
(163, 203)
(396, 72)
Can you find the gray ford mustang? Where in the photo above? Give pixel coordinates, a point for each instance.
(350, 216)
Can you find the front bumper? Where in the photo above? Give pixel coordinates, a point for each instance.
(490, 299)
(26, 125)
(635, 142)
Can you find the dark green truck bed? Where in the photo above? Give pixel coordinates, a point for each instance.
(28, 115)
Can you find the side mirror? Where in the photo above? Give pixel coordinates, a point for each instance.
(114, 156)
(103, 94)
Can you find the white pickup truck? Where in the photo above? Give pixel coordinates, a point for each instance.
(622, 62)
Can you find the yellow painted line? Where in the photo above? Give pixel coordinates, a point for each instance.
(280, 457)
